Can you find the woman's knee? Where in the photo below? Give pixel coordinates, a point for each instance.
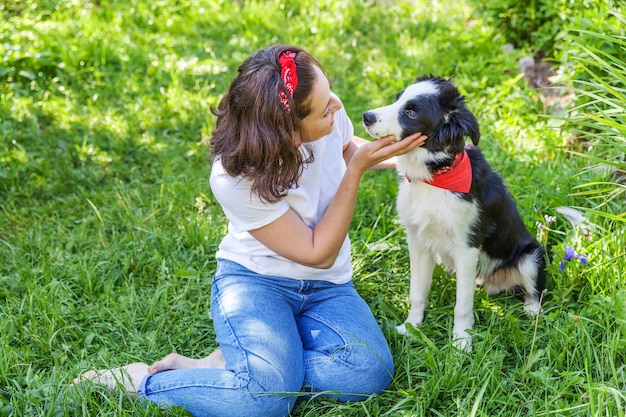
(377, 369)
(352, 376)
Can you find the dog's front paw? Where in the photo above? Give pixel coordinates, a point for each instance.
(462, 341)
(401, 329)
(415, 318)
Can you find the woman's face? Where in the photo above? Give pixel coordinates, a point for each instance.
(324, 104)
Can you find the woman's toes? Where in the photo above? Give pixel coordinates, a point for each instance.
(128, 377)
(85, 376)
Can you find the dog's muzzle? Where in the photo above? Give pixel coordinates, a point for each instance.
(369, 118)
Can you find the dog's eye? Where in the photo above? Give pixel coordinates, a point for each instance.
(410, 113)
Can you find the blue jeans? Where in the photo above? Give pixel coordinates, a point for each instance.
(279, 337)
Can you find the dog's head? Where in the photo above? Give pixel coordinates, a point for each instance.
(433, 106)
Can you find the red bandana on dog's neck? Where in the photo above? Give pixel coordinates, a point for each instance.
(457, 177)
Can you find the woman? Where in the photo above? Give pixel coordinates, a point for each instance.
(287, 317)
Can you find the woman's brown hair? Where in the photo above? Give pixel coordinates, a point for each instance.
(254, 135)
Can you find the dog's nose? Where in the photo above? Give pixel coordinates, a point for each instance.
(369, 118)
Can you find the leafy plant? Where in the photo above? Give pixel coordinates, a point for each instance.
(598, 121)
(537, 24)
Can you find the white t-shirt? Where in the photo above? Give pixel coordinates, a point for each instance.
(316, 188)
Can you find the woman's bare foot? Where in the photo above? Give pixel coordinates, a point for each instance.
(177, 361)
(127, 377)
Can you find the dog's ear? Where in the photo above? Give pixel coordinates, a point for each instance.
(462, 123)
(470, 125)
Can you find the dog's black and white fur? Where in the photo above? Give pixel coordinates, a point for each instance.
(478, 234)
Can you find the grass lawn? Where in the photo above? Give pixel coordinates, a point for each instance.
(108, 228)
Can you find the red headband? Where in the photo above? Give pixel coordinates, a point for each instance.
(288, 74)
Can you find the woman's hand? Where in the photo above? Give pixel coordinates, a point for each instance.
(373, 153)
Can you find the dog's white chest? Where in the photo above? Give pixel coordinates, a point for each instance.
(436, 214)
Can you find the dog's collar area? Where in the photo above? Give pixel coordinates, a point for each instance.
(456, 177)
(450, 167)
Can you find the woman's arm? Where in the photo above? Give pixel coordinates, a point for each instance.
(318, 247)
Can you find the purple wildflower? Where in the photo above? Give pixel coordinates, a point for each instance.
(570, 254)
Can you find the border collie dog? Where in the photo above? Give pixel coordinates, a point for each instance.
(454, 207)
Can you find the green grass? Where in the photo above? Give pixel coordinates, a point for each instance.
(108, 227)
